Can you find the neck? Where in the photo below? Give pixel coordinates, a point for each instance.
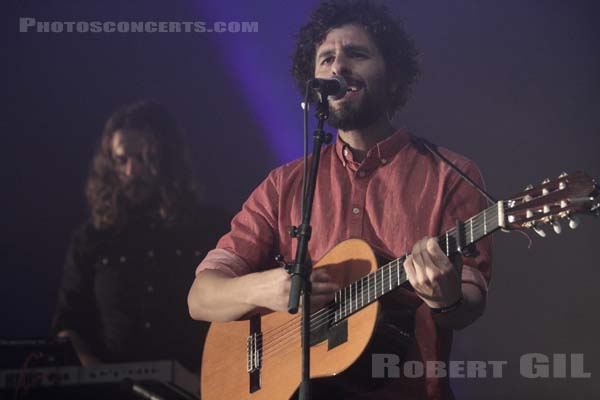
(362, 140)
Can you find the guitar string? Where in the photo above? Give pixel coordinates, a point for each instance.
(450, 232)
(275, 330)
(347, 308)
(273, 343)
(325, 314)
(330, 309)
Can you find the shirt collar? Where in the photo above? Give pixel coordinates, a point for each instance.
(379, 154)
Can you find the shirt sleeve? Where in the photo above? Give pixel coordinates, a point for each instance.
(463, 202)
(250, 245)
(76, 307)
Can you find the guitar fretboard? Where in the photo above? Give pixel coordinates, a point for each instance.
(390, 276)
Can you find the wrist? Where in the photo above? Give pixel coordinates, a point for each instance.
(449, 308)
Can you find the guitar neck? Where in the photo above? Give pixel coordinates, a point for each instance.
(390, 276)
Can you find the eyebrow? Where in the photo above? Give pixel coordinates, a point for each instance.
(347, 48)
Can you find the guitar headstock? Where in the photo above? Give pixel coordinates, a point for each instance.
(563, 198)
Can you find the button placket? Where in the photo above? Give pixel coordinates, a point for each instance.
(357, 203)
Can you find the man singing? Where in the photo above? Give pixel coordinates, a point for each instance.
(376, 183)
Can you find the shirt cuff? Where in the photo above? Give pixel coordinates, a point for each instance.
(225, 261)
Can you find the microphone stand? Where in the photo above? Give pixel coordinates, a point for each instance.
(299, 270)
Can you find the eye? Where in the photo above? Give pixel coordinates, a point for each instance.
(358, 55)
(327, 60)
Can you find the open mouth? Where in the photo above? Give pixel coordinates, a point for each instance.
(354, 87)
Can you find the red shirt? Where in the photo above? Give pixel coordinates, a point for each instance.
(397, 195)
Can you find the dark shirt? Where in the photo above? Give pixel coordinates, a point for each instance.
(125, 290)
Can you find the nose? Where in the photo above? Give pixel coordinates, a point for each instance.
(340, 66)
(132, 167)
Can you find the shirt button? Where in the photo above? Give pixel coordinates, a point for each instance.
(355, 210)
(150, 253)
(362, 174)
(150, 289)
(105, 261)
(178, 252)
(147, 325)
(122, 259)
(384, 161)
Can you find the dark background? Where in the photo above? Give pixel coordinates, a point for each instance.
(512, 85)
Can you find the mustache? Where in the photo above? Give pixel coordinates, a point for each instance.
(136, 184)
(354, 82)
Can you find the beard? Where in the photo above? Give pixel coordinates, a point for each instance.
(138, 192)
(348, 115)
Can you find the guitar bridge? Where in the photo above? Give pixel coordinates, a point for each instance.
(254, 353)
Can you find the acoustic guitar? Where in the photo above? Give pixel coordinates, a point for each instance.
(260, 358)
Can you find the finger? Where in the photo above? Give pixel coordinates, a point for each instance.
(430, 269)
(324, 288)
(321, 298)
(438, 257)
(319, 275)
(318, 302)
(418, 261)
(457, 262)
(409, 268)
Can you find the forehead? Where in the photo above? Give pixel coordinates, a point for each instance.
(129, 142)
(344, 36)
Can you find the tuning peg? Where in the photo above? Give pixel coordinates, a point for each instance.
(529, 214)
(539, 230)
(528, 187)
(546, 209)
(556, 226)
(574, 222)
(563, 175)
(547, 180)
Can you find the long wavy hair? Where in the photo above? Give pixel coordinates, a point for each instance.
(397, 48)
(177, 193)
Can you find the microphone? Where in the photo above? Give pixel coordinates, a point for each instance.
(334, 87)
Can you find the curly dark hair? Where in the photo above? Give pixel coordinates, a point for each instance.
(397, 48)
(177, 191)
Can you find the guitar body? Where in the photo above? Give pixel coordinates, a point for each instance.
(225, 372)
(261, 358)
